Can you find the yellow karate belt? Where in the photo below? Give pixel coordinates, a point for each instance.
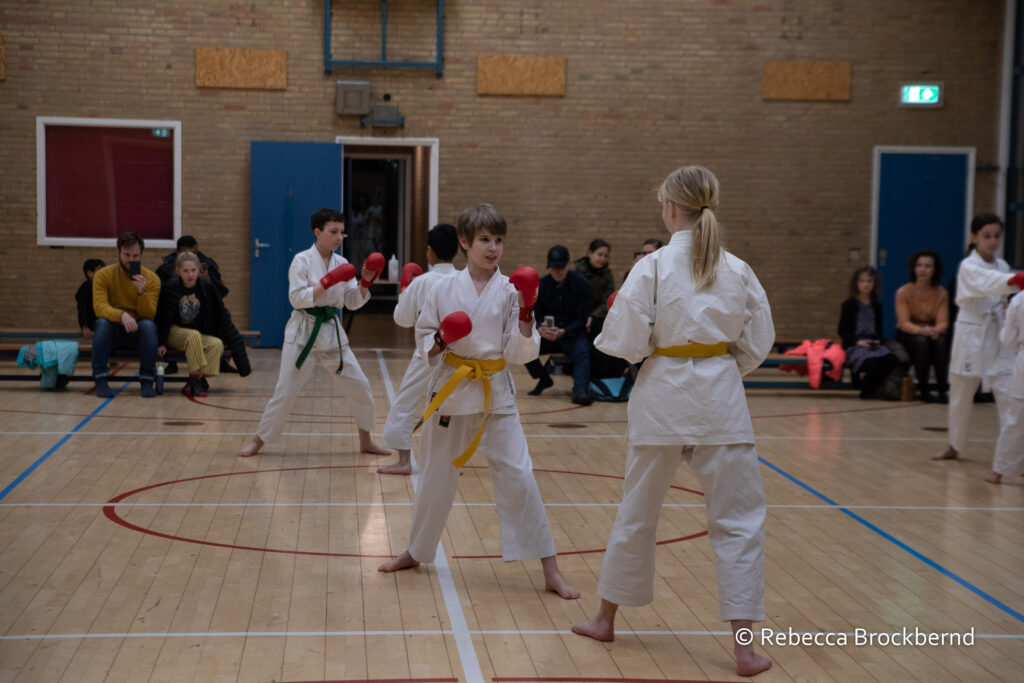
(466, 368)
(693, 350)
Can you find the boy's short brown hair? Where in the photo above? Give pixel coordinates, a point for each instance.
(477, 219)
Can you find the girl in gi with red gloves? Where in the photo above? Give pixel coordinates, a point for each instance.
(320, 283)
(701, 319)
(469, 329)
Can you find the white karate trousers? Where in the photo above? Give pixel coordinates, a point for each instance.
(352, 381)
(525, 533)
(405, 413)
(730, 477)
(961, 404)
(1009, 458)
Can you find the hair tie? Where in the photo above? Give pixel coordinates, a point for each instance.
(703, 207)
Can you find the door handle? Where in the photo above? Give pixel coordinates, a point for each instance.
(259, 244)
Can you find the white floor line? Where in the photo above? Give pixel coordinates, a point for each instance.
(528, 436)
(439, 632)
(777, 506)
(460, 629)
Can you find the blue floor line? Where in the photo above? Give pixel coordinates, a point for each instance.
(21, 477)
(900, 544)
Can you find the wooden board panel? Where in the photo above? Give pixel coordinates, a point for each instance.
(3, 60)
(228, 67)
(518, 75)
(806, 80)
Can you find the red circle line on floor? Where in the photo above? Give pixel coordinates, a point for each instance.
(109, 510)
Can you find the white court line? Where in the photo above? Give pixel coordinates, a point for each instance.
(439, 632)
(528, 436)
(951, 508)
(460, 629)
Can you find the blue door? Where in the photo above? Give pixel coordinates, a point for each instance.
(924, 200)
(289, 182)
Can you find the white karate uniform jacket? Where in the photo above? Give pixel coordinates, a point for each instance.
(410, 302)
(305, 272)
(689, 401)
(1012, 337)
(495, 317)
(981, 290)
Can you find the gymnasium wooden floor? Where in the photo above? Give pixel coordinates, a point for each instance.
(137, 547)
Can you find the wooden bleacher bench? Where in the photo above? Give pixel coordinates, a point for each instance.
(12, 339)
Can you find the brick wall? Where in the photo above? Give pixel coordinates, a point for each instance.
(650, 85)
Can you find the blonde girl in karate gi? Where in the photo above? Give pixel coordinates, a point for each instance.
(700, 318)
(320, 283)
(442, 246)
(982, 284)
(483, 406)
(1009, 458)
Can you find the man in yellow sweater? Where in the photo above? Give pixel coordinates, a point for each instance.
(125, 297)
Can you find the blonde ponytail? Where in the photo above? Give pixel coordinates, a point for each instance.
(695, 189)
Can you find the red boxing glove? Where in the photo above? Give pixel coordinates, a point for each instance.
(342, 273)
(409, 272)
(527, 282)
(611, 298)
(454, 327)
(374, 262)
(1017, 280)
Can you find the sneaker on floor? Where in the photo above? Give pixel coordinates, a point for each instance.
(148, 390)
(204, 387)
(103, 389)
(171, 367)
(542, 384)
(582, 399)
(191, 387)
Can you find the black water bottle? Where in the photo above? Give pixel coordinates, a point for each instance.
(159, 384)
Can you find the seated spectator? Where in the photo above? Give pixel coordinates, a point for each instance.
(648, 247)
(187, 243)
(125, 296)
(860, 327)
(922, 322)
(563, 304)
(595, 267)
(83, 297)
(191, 318)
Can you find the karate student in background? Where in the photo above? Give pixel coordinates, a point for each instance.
(320, 283)
(442, 245)
(700, 318)
(1009, 458)
(982, 285)
(476, 322)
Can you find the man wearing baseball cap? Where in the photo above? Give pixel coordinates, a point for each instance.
(561, 313)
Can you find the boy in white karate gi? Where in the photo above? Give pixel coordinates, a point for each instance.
(1009, 457)
(701, 319)
(502, 331)
(442, 245)
(982, 284)
(320, 283)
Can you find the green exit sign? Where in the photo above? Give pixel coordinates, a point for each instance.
(921, 95)
(161, 132)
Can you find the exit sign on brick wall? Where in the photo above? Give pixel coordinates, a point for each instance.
(921, 95)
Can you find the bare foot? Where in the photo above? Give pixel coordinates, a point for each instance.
(554, 581)
(949, 454)
(366, 444)
(750, 664)
(994, 478)
(597, 628)
(252, 448)
(403, 561)
(403, 466)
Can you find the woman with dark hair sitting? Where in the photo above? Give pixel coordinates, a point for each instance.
(922, 322)
(860, 327)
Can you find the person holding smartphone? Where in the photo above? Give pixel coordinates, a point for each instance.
(563, 304)
(125, 297)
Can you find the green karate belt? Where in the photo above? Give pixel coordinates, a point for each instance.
(321, 315)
